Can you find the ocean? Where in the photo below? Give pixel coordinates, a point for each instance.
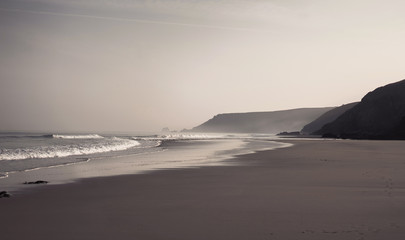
(60, 158)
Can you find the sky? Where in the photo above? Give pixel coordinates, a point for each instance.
(141, 65)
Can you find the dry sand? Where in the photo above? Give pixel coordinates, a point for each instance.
(313, 190)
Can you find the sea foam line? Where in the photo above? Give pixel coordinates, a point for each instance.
(6, 174)
(54, 151)
(88, 136)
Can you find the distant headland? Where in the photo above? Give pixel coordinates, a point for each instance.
(379, 115)
(261, 122)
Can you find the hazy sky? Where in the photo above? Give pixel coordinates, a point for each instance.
(128, 65)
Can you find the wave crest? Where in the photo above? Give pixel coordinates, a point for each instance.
(54, 151)
(87, 136)
(180, 137)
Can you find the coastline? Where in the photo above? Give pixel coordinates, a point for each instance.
(330, 189)
(169, 154)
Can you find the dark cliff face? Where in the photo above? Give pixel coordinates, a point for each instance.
(379, 115)
(327, 117)
(261, 122)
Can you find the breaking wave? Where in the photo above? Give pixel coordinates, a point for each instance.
(88, 136)
(179, 137)
(55, 151)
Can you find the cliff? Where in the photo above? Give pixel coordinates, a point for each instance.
(379, 115)
(261, 122)
(325, 118)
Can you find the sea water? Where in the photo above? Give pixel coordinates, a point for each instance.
(65, 157)
(22, 151)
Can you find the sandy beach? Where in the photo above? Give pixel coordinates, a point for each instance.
(314, 190)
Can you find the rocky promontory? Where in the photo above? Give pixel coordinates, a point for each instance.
(379, 115)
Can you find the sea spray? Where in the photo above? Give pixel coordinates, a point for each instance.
(61, 149)
(88, 136)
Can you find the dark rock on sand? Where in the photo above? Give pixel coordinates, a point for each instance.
(37, 182)
(379, 115)
(4, 194)
(296, 133)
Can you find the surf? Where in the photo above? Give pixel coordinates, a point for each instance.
(92, 145)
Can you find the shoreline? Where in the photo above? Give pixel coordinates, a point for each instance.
(313, 190)
(170, 154)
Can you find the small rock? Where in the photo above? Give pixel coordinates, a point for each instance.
(4, 194)
(37, 182)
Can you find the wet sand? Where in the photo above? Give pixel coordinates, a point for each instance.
(313, 190)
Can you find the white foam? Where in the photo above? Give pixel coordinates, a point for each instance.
(181, 137)
(88, 136)
(54, 151)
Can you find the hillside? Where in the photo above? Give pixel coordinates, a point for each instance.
(325, 118)
(379, 115)
(261, 122)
